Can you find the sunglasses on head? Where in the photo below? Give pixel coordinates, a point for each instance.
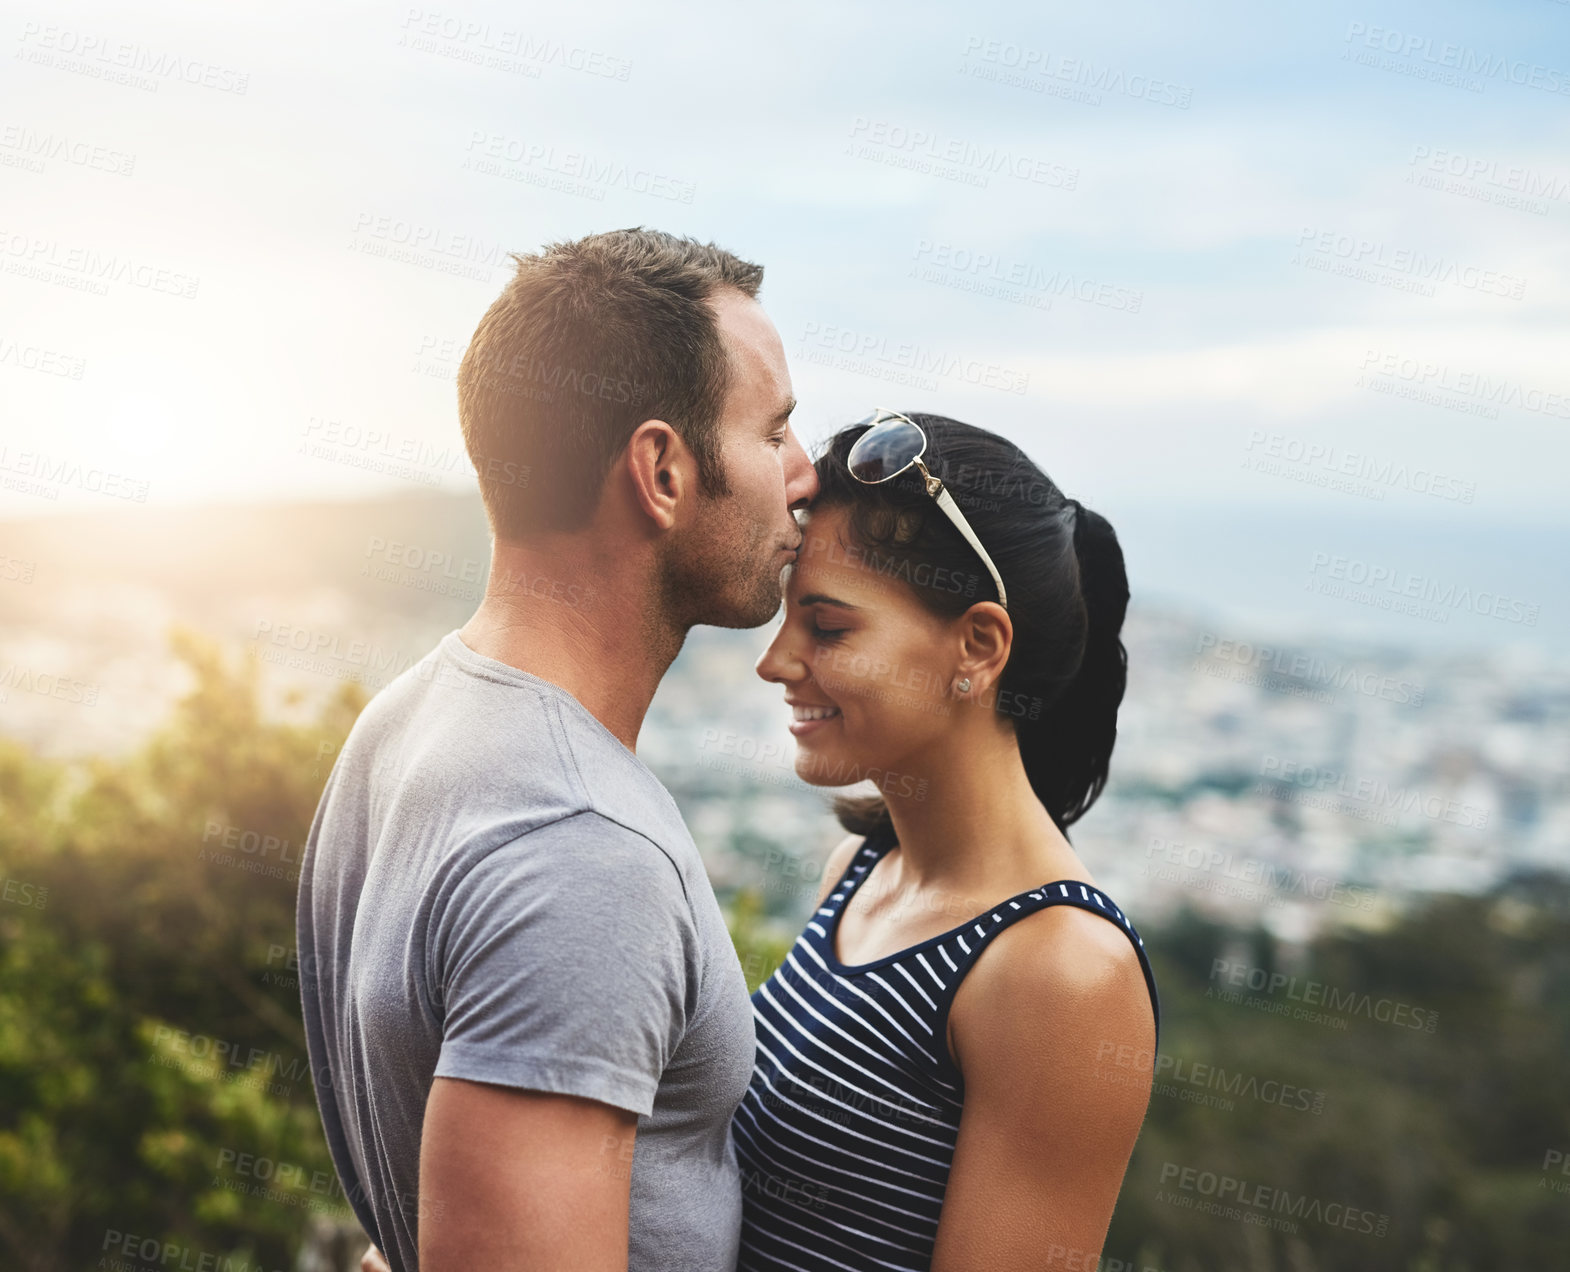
(895, 442)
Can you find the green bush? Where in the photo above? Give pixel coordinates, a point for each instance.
(154, 1084)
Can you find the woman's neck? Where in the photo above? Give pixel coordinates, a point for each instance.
(977, 822)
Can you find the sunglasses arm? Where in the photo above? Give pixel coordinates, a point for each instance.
(936, 489)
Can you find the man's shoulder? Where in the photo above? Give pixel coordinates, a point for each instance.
(591, 847)
(621, 790)
(455, 765)
(441, 739)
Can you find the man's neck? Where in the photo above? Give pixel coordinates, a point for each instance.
(599, 638)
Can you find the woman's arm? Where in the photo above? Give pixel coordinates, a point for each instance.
(1044, 1028)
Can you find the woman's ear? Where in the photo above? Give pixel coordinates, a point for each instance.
(986, 636)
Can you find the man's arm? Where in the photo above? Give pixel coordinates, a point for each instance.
(516, 1179)
(562, 965)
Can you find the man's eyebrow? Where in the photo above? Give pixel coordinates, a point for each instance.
(820, 598)
(784, 411)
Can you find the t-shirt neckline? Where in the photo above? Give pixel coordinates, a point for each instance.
(453, 645)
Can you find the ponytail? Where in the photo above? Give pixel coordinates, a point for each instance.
(1067, 750)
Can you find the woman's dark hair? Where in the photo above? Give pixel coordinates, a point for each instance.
(1067, 594)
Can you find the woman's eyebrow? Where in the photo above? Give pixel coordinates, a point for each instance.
(820, 598)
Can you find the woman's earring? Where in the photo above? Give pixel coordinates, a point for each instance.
(964, 685)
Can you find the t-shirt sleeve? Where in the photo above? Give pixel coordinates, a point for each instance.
(565, 961)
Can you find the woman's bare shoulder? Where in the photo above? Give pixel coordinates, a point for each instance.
(1060, 966)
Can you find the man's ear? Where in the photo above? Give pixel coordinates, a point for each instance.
(659, 467)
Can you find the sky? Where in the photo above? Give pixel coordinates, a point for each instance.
(1258, 282)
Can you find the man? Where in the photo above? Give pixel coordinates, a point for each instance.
(527, 1024)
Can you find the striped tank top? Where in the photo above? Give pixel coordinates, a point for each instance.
(847, 1130)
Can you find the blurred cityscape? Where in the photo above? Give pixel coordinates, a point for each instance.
(1292, 786)
(1295, 785)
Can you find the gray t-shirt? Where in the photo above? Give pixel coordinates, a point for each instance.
(495, 888)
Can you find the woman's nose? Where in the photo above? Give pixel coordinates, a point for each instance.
(776, 664)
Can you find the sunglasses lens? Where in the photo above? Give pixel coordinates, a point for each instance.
(884, 450)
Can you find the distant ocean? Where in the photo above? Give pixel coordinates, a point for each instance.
(1418, 583)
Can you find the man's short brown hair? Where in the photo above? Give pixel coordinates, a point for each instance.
(589, 339)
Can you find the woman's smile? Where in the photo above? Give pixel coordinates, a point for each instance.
(808, 718)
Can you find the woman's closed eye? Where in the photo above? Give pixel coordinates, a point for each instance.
(827, 633)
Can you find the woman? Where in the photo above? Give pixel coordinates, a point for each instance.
(954, 1060)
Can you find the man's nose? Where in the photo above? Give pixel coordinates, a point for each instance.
(801, 485)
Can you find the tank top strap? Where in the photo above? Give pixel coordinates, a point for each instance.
(961, 947)
(878, 842)
(945, 960)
